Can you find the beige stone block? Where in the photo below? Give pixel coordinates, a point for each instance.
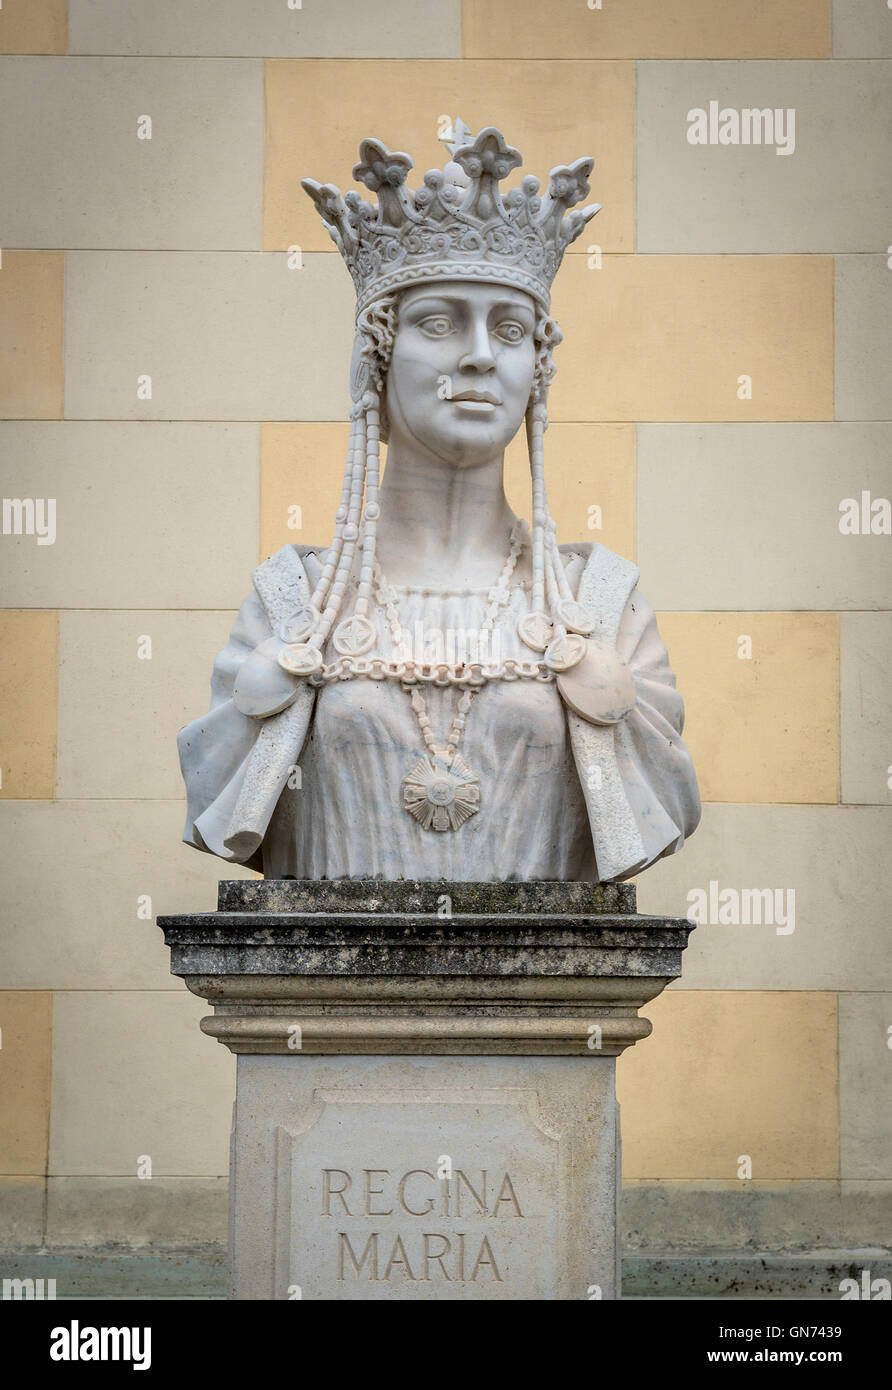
(549, 1123)
(590, 476)
(865, 1086)
(814, 867)
(405, 104)
(136, 1212)
(197, 182)
(728, 1075)
(31, 335)
(135, 1079)
(865, 719)
(742, 197)
(864, 337)
(22, 1206)
(117, 736)
(269, 28)
(647, 29)
(668, 337)
(148, 514)
(34, 26)
(301, 476)
(105, 870)
(28, 704)
(761, 727)
(754, 510)
(26, 1024)
(861, 30)
(222, 337)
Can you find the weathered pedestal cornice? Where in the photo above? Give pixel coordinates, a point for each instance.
(368, 966)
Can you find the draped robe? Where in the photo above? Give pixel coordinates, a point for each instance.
(623, 796)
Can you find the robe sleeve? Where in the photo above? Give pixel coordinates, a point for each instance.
(235, 766)
(654, 763)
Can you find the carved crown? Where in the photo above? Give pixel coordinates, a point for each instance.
(457, 225)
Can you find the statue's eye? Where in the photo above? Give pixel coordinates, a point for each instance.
(436, 325)
(510, 331)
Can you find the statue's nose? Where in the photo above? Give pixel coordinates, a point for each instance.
(479, 355)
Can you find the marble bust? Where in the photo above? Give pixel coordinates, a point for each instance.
(444, 691)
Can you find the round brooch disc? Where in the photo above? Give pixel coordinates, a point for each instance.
(535, 631)
(574, 617)
(300, 659)
(298, 628)
(600, 689)
(354, 636)
(564, 652)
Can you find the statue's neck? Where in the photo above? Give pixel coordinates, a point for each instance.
(440, 523)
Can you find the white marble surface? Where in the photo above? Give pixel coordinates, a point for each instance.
(638, 788)
(317, 759)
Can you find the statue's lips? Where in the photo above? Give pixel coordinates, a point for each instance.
(482, 401)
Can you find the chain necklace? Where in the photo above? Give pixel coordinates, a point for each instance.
(441, 791)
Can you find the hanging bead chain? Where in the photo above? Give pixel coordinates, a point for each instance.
(551, 627)
(305, 636)
(498, 597)
(351, 535)
(457, 728)
(540, 510)
(372, 510)
(299, 628)
(535, 628)
(570, 614)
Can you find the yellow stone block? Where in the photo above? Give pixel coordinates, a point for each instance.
(31, 335)
(645, 29)
(730, 1075)
(34, 26)
(301, 475)
(761, 695)
(680, 337)
(590, 473)
(590, 476)
(26, 1024)
(29, 640)
(406, 103)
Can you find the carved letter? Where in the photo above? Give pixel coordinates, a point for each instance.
(401, 1192)
(371, 1192)
(510, 1197)
(370, 1251)
(481, 1202)
(400, 1259)
(328, 1191)
(490, 1261)
(430, 1255)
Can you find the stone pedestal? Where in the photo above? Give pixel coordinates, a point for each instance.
(426, 1101)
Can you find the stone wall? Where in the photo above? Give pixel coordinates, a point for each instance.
(723, 389)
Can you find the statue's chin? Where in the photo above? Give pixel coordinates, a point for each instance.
(464, 455)
(469, 444)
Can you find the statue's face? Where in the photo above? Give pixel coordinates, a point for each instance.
(462, 369)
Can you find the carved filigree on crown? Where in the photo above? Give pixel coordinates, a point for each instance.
(457, 225)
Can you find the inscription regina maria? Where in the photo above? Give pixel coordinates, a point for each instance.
(421, 1202)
